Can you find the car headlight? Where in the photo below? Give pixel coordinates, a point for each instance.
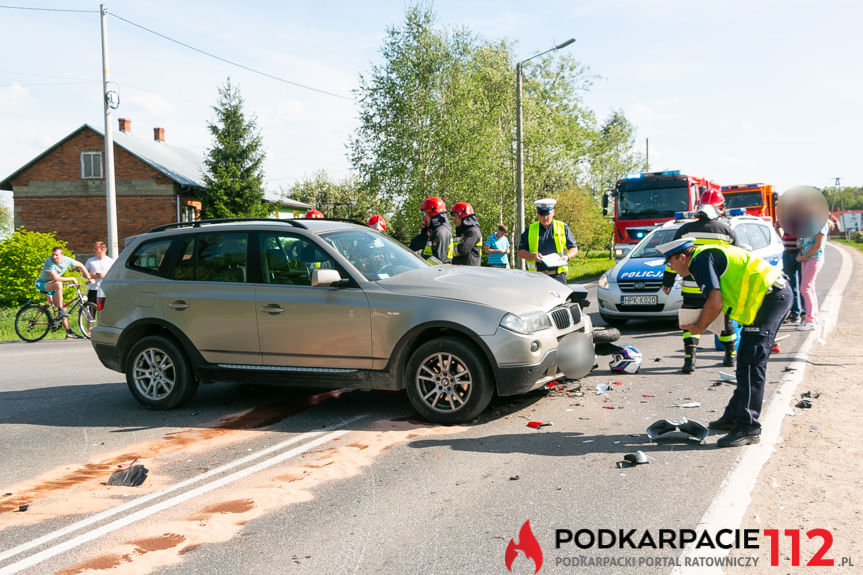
(603, 281)
(526, 324)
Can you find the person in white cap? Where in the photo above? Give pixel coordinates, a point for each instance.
(547, 237)
(756, 295)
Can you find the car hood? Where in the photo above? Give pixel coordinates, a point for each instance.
(640, 269)
(514, 291)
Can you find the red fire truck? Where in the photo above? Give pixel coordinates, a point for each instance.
(758, 199)
(641, 201)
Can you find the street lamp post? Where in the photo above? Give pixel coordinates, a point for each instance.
(519, 159)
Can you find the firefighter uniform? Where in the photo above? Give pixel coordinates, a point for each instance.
(706, 230)
(756, 295)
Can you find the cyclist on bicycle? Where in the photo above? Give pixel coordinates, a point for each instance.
(51, 282)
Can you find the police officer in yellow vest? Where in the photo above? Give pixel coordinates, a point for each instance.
(545, 237)
(757, 296)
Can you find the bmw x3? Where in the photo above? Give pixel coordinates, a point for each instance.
(335, 304)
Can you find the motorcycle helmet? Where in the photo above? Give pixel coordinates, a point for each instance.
(432, 206)
(627, 360)
(377, 222)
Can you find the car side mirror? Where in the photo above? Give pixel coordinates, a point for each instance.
(327, 278)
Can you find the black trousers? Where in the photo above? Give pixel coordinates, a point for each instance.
(756, 341)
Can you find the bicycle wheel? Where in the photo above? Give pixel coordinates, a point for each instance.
(87, 318)
(32, 322)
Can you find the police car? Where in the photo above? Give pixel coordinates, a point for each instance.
(632, 289)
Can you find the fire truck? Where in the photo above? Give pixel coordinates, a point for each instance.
(644, 200)
(758, 199)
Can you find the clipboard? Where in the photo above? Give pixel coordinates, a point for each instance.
(687, 316)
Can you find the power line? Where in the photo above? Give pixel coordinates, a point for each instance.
(48, 9)
(225, 60)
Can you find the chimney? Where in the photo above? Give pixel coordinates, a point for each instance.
(125, 126)
(159, 134)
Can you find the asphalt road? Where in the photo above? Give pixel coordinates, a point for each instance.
(255, 479)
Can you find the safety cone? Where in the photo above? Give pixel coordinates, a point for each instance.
(775, 348)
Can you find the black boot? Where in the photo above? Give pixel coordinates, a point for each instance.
(730, 355)
(690, 344)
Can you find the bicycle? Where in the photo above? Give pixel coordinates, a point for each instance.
(33, 321)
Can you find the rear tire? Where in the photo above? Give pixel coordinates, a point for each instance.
(158, 374)
(448, 381)
(87, 318)
(605, 334)
(32, 322)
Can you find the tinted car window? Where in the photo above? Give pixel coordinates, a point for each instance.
(148, 257)
(287, 259)
(213, 257)
(647, 247)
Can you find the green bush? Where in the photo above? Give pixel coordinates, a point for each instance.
(857, 237)
(21, 259)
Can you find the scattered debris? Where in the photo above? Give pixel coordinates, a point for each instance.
(775, 348)
(607, 407)
(726, 376)
(134, 476)
(657, 359)
(602, 387)
(789, 368)
(647, 395)
(687, 405)
(514, 478)
(814, 395)
(663, 426)
(538, 424)
(638, 458)
(618, 383)
(23, 508)
(804, 404)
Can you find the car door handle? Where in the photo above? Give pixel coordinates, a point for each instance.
(272, 308)
(178, 305)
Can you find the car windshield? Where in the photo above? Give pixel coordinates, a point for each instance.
(634, 203)
(375, 255)
(743, 200)
(647, 247)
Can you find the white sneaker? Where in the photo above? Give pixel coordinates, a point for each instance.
(806, 326)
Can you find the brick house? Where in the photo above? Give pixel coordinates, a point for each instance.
(63, 189)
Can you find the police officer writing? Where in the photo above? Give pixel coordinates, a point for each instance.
(437, 227)
(547, 237)
(757, 296)
(468, 238)
(706, 229)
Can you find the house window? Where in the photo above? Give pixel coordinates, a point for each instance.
(91, 165)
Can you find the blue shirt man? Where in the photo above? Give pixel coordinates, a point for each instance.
(497, 247)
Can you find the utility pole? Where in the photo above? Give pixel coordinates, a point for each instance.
(110, 103)
(842, 217)
(646, 154)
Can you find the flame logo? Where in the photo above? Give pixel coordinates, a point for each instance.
(528, 544)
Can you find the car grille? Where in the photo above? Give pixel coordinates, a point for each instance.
(565, 317)
(640, 286)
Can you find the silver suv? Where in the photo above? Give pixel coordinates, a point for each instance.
(330, 303)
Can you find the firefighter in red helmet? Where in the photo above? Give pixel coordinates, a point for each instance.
(377, 222)
(714, 197)
(314, 215)
(468, 240)
(435, 239)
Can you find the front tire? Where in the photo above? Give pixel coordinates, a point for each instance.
(158, 374)
(448, 381)
(87, 318)
(32, 322)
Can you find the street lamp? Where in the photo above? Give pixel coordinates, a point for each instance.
(519, 159)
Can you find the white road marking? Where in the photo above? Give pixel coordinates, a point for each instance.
(735, 493)
(143, 513)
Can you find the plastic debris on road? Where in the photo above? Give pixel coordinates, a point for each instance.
(601, 388)
(804, 404)
(538, 424)
(687, 405)
(638, 458)
(134, 476)
(727, 376)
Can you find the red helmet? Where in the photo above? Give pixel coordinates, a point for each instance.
(461, 209)
(714, 197)
(377, 222)
(314, 215)
(432, 206)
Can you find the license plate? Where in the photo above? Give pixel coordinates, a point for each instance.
(638, 300)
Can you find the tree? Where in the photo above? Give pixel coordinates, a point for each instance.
(336, 199)
(21, 257)
(234, 174)
(5, 221)
(438, 118)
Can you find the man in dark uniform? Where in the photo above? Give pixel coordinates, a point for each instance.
(439, 243)
(757, 296)
(468, 240)
(706, 229)
(547, 237)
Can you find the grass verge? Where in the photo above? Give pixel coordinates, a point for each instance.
(7, 326)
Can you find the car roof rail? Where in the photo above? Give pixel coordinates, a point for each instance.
(199, 223)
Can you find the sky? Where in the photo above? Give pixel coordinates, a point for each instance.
(735, 91)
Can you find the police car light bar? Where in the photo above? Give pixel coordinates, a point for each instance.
(666, 173)
(683, 215)
(737, 212)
